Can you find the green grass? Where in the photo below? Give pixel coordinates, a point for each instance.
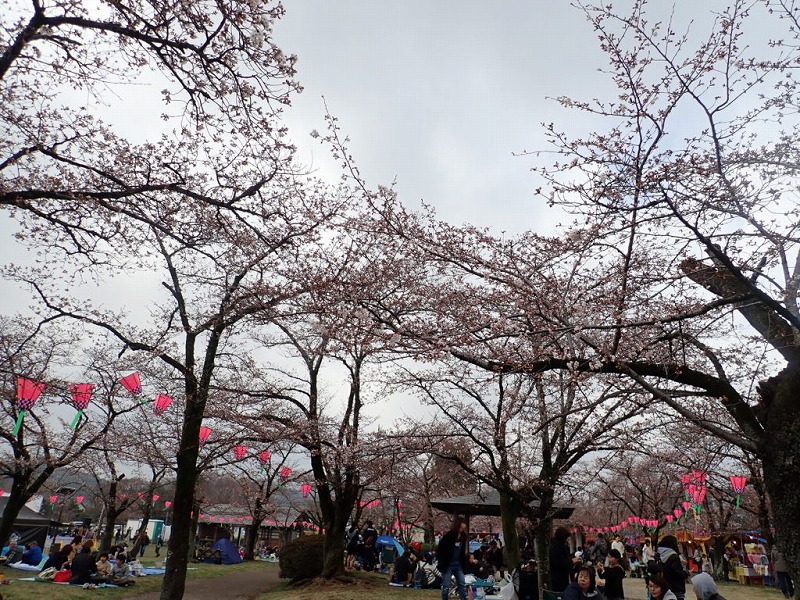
(374, 586)
(31, 590)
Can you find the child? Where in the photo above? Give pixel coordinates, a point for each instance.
(103, 565)
(121, 572)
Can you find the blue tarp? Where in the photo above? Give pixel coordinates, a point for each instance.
(228, 550)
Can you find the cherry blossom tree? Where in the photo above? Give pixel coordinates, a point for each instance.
(690, 185)
(45, 442)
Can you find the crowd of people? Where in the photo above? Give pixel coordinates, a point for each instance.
(76, 563)
(598, 571)
(432, 569)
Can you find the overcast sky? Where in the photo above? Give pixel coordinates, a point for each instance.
(440, 95)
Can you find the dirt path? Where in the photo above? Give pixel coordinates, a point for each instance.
(241, 586)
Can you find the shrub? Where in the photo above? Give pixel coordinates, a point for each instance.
(301, 558)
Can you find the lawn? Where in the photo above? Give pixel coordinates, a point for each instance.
(374, 586)
(30, 590)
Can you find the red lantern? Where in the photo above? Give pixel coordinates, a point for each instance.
(205, 433)
(132, 383)
(686, 479)
(28, 393)
(53, 500)
(168, 503)
(669, 518)
(79, 499)
(239, 452)
(699, 495)
(263, 456)
(155, 497)
(699, 476)
(285, 473)
(81, 396)
(678, 513)
(306, 489)
(162, 403)
(738, 482)
(686, 505)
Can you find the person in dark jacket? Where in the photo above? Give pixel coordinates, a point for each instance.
(561, 561)
(671, 567)
(584, 588)
(83, 565)
(612, 576)
(59, 558)
(452, 553)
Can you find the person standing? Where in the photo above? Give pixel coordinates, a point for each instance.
(159, 544)
(561, 562)
(145, 542)
(785, 582)
(452, 553)
(600, 550)
(370, 547)
(611, 576)
(354, 546)
(671, 566)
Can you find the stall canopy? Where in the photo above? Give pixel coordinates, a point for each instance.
(487, 504)
(29, 525)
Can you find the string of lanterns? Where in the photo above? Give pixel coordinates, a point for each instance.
(695, 490)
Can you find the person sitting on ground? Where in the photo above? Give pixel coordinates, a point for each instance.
(705, 588)
(403, 569)
(58, 559)
(103, 565)
(13, 554)
(582, 589)
(83, 566)
(659, 588)
(121, 572)
(429, 575)
(33, 555)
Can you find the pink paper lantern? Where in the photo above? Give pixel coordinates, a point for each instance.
(686, 505)
(239, 452)
(81, 396)
(285, 472)
(161, 404)
(28, 393)
(205, 433)
(53, 499)
(678, 513)
(264, 456)
(132, 383)
(79, 499)
(306, 489)
(168, 503)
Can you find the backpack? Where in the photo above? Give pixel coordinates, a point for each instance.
(48, 574)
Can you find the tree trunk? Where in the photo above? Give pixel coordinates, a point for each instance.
(16, 500)
(509, 512)
(334, 545)
(182, 504)
(781, 461)
(541, 541)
